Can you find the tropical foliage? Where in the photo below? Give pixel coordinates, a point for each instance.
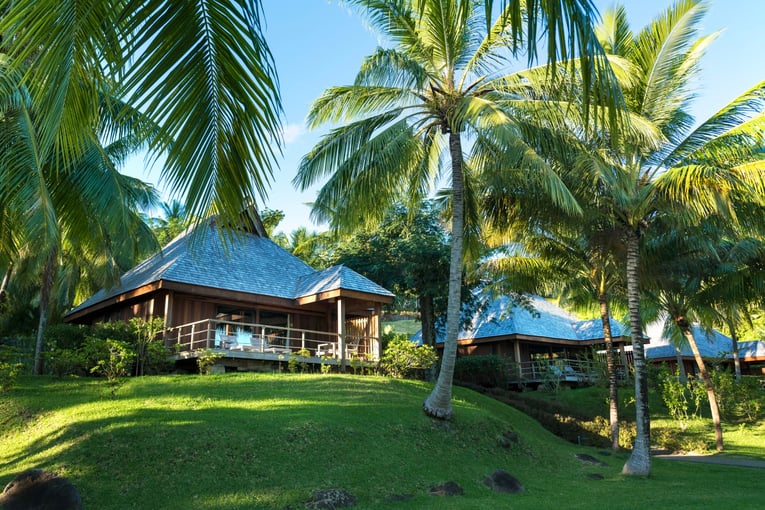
(438, 97)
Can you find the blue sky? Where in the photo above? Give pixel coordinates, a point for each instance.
(318, 43)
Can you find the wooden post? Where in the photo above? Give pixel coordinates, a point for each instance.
(341, 331)
(376, 332)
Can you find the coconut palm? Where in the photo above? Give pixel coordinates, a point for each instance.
(416, 109)
(57, 205)
(691, 174)
(199, 69)
(575, 262)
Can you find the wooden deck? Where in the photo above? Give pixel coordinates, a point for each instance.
(266, 342)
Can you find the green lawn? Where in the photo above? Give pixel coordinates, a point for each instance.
(403, 326)
(239, 441)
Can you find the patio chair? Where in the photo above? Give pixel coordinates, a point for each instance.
(352, 348)
(327, 349)
(271, 345)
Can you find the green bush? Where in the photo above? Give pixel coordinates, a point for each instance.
(297, 362)
(403, 358)
(488, 371)
(10, 366)
(78, 350)
(737, 400)
(66, 336)
(150, 350)
(684, 399)
(109, 358)
(63, 362)
(207, 359)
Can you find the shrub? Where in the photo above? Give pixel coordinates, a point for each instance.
(66, 336)
(10, 366)
(488, 371)
(403, 358)
(63, 362)
(737, 400)
(109, 358)
(151, 354)
(297, 362)
(207, 359)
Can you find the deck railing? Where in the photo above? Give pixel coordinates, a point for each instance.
(263, 338)
(554, 370)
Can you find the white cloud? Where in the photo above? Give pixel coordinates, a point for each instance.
(292, 132)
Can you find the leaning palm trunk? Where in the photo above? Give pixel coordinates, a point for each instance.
(613, 397)
(438, 403)
(714, 409)
(4, 284)
(639, 462)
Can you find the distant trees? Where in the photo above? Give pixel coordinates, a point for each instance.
(408, 253)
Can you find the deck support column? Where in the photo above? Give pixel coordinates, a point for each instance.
(341, 331)
(376, 332)
(517, 351)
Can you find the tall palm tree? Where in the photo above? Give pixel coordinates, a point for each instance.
(416, 110)
(691, 174)
(200, 70)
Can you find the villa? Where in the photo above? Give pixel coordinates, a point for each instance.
(240, 294)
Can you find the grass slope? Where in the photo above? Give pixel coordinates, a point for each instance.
(240, 441)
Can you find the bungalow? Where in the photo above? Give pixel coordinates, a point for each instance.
(244, 296)
(713, 345)
(535, 336)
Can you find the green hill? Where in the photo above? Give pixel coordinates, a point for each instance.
(239, 441)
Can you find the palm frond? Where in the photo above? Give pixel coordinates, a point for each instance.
(340, 104)
(203, 71)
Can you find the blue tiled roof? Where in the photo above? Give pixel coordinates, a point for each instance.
(241, 262)
(712, 344)
(503, 317)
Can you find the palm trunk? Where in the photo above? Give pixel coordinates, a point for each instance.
(613, 397)
(715, 410)
(438, 404)
(639, 462)
(680, 366)
(427, 320)
(4, 284)
(48, 278)
(734, 342)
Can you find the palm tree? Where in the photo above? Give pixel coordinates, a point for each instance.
(573, 261)
(691, 174)
(83, 204)
(199, 69)
(416, 109)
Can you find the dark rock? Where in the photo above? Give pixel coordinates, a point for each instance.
(589, 458)
(447, 489)
(507, 439)
(329, 499)
(502, 481)
(395, 498)
(595, 476)
(36, 489)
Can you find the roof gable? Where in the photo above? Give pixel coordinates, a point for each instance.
(337, 278)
